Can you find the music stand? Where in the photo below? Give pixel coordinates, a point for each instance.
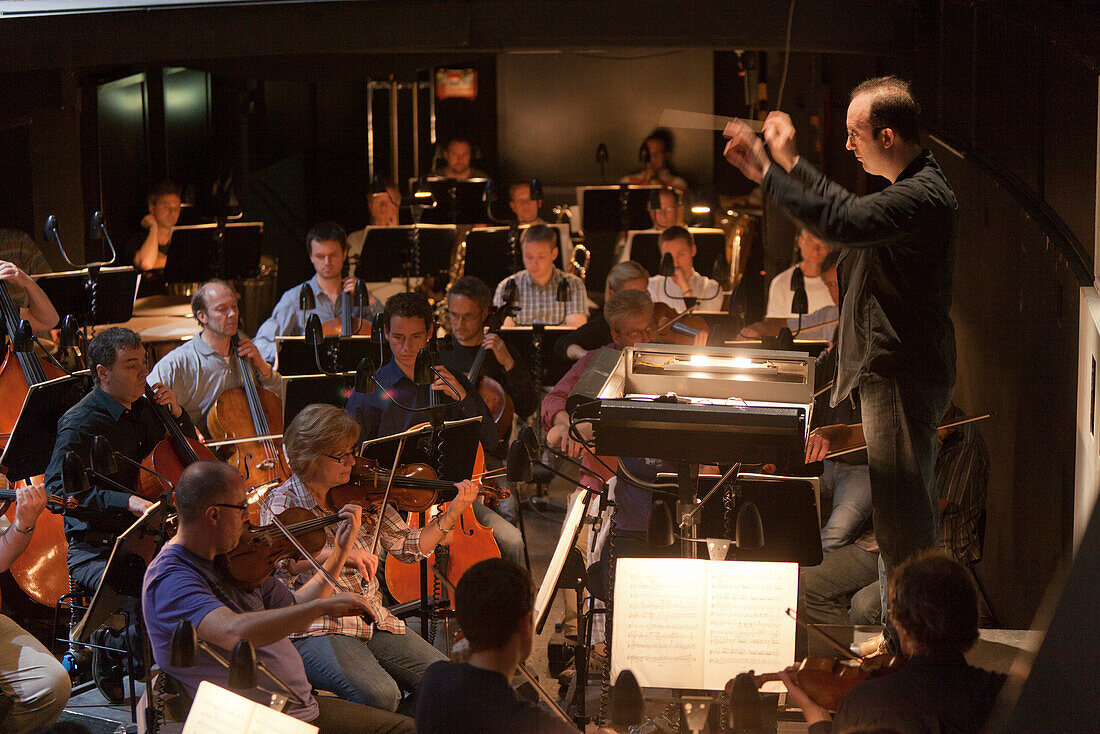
(641, 247)
(30, 446)
(70, 292)
(387, 252)
(603, 210)
(338, 354)
(488, 252)
(200, 252)
(457, 202)
(535, 345)
(303, 390)
(459, 441)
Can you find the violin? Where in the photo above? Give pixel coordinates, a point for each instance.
(54, 503)
(827, 680)
(246, 411)
(679, 328)
(260, 548)
(171, 456)
(415, 487)
(500, 404)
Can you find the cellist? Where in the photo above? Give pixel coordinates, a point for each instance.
(201, 369)
(360, 661)
(408, 324)
(118, 410)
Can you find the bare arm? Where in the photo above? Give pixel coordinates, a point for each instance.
(318, 587)
(29, 502)
(149, 256)
(39, 312)
(225, 628)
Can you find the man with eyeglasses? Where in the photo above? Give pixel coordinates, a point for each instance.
(186, 582)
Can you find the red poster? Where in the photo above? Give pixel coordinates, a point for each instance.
(460, 83)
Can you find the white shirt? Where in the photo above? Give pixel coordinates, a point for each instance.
(780, 295)
(707, 294)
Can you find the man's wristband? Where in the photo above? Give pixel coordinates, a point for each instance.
(28, 531)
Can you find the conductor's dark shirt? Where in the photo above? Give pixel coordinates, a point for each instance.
(895, 269)
(131, 432)
(930, 695)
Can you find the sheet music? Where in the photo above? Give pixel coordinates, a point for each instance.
(684, 623)
(220, 711)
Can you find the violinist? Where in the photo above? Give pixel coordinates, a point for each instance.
(369, 663)
(186, 581)
(327, 245)
(685, 287)
(116, 409)
(29, 674)
(596, 333)
(201, 369)
(408, 322)
(935, 611)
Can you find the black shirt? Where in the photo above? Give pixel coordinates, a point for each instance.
(895, 269)
(132, 433)
(459, 697)
(517, 382)
(593, 334)
(930, 695)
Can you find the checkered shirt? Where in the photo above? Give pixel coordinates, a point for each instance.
(398, 540)
(539, 305)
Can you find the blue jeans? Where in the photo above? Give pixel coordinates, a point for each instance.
(372, 672)
(849, 485)
(508, 537)
(900, 419)
(842, 579)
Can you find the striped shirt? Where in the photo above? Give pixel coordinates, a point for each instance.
(539, 304)
(395, 537)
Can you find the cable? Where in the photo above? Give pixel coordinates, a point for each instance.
(786, 57)
(605, 678)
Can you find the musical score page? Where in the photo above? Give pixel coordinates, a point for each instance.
(685, 623)
(220, 711)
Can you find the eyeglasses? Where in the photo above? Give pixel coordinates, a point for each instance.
(242, 508)
(639, 334)
(339, 458)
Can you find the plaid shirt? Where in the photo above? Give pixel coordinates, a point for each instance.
(539, 305)
(398, 540)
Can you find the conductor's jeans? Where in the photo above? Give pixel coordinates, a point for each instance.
(31, 679)
(900, 418)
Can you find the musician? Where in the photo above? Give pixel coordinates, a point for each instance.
(16, 246)
(596, 333)
(537, 284)
(30, 675)
(327, 245)
(408, 322)
(368, 661)
(686, 288)
(188, 581)
(36, 308)
(522, 205)
(895, 338)
(817, 324)
(656, 154)
(494, 604)
(457, 154)
(116, 409)
(385, 207)
(812, 252)
(201, 369)
(165, 204)
(935, 611)
(669, 210)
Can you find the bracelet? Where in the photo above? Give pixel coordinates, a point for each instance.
(28, 531)
(439, 524)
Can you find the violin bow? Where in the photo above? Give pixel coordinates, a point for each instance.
(824, 635)
(386, 495)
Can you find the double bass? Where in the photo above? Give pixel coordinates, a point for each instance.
(245, 412)
(500, 404)
(347, 324)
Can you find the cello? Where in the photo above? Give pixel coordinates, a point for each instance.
(500, 404)
(170, 457)
(245, 412)
(347, 324)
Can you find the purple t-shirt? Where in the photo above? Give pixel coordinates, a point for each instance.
(182, 585)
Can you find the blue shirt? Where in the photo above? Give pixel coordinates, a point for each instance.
(379, 415)
(287, 319)
(182, 585)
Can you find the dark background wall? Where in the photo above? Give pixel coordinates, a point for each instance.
(1011, 86)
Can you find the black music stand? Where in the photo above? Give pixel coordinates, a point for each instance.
(457, 202)
(388, 252)
(490, 255)
(109, 300)
(338, 354)
(535, 345)
(28, 450)
(641, 247)
(303, 390)
(199, 252)
(603, 208)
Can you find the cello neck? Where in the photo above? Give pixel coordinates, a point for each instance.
(28, 361)
(176, 436)
(345, 313)
(251, 390)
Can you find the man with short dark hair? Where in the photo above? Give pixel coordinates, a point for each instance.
(494, 604)
(537, 284)
(457, 154)
(895, 339)
(327, 245)
(522, 205)
(165, 204)
(656, 154)
(185, 583)
(685, 288)
(935, 610)
(202, 368)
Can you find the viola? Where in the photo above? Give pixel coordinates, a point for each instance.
(827, 680)
(169, 457)
(415, 487)
(679, 327)
(500, 404)
(247, 411)
(261, 548)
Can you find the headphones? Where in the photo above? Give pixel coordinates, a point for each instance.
(643, 153)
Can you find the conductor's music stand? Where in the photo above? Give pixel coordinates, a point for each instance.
(457, 202)
(405, 251)
(338, 354)
(229, 250)
(106, 299)
(28, 450)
